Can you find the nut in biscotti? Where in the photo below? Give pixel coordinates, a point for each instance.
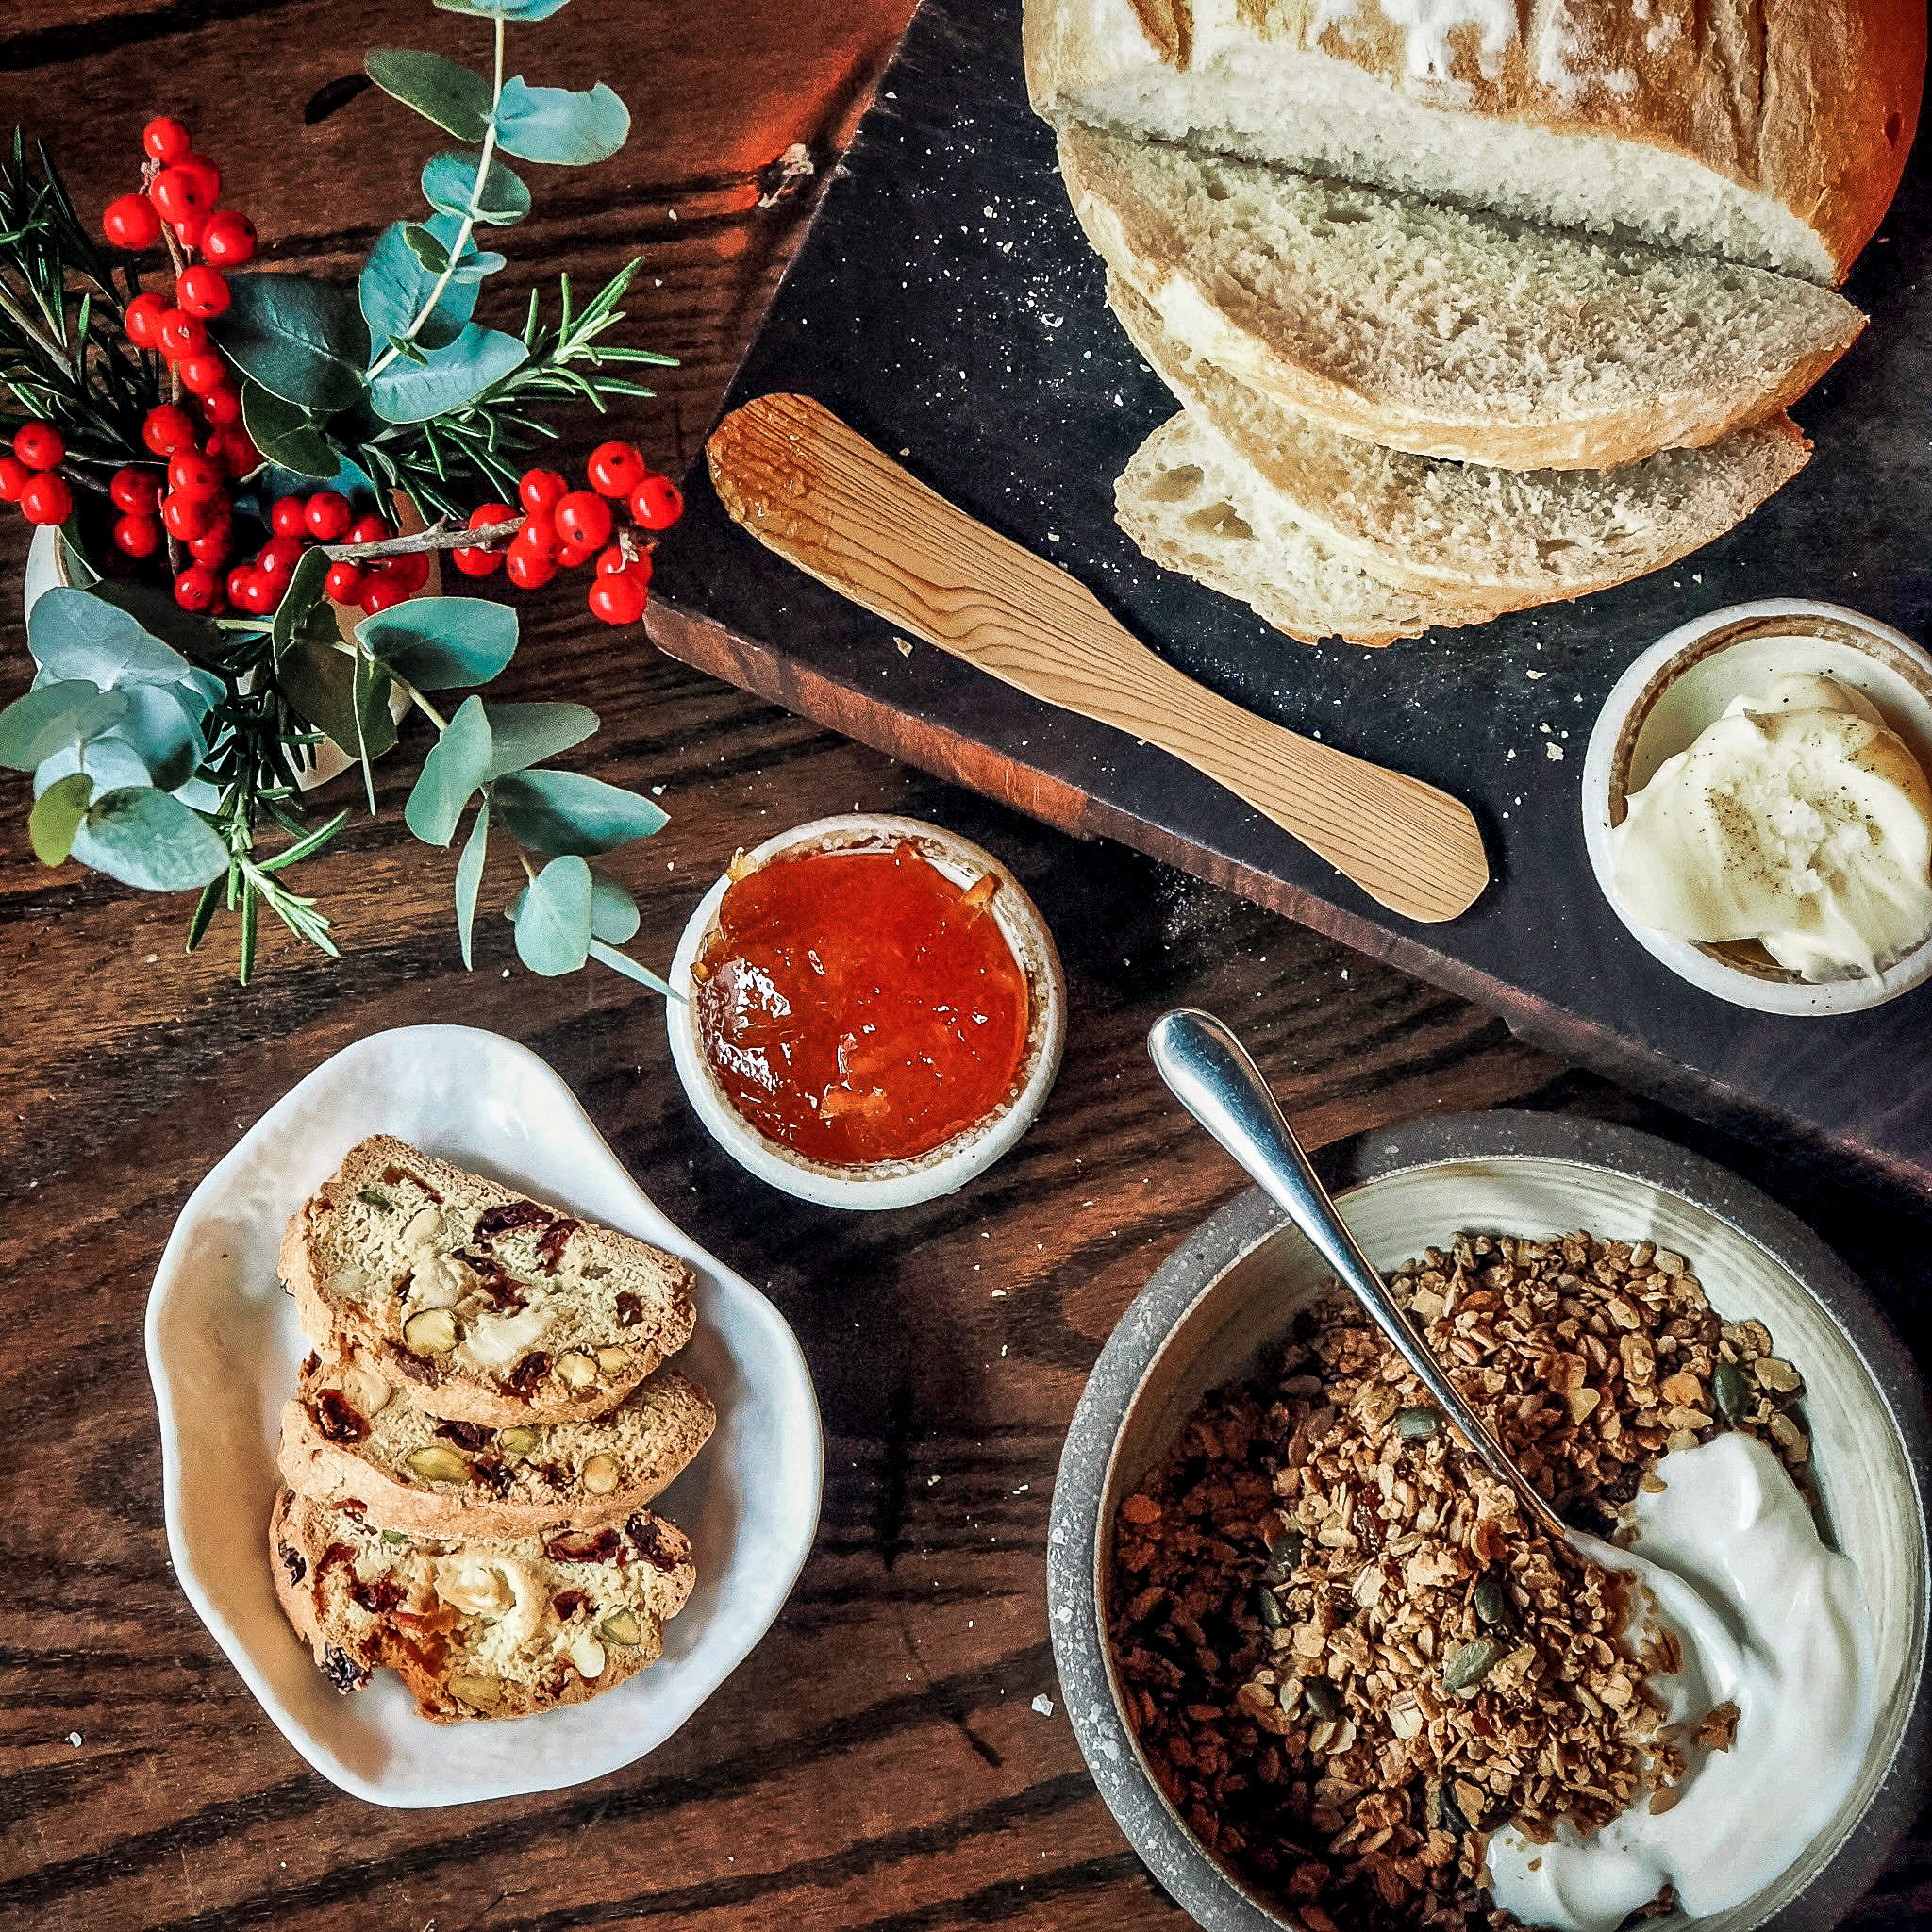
(482, 1305)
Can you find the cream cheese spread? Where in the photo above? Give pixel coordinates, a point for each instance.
(1797, 819)
(1780, 1631)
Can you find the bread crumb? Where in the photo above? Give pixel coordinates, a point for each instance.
(1043, 1705)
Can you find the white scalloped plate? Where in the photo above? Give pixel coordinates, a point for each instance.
(223, 1348)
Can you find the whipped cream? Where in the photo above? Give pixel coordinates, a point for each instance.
(1798, 819)
(1774, 1623)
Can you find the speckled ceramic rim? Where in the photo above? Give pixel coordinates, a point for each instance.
(951, 1165)
(1206, 1888)
(1743, 973)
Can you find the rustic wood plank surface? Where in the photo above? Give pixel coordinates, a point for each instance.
(878, 1763)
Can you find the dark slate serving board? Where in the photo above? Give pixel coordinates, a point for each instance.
(947, 305)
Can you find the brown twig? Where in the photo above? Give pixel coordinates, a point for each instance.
(439, 535)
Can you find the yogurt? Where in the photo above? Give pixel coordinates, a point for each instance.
(1777, 1625)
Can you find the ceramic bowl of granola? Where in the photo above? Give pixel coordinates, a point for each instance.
(1698, 1307)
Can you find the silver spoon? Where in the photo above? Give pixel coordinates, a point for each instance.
(1213, 1077)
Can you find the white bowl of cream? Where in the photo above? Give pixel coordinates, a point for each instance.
(1756, 811)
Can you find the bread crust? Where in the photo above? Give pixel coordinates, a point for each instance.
(1811, 103)
(349, 1330)
(338, 1473)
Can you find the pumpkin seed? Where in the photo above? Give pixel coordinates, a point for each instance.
(1731, 1391)
(1417, 1424)
(1284, 1555)
(1267, 1607)
(1471, 1664)
(1322, 1699)
(1492, 1599)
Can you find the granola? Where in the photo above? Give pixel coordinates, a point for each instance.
(1346, 1658)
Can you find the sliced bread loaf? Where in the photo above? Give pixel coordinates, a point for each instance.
(350, 1436)
(1441, 331)
(1510, 538)
(477, 1626)
(1194, 507)
(486, 1306)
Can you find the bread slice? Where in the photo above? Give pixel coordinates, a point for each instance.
(350, 1436)
(1511, 537)
(1193, 505)
(478, 1626)
(487, 1306)
(1442, 331)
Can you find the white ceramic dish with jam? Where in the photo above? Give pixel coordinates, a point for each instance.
(951, 1165)
(224, 1345)
(1681, 685)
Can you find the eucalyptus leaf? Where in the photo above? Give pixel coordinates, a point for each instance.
(163, 731)
(426, 247)
(369, 694)
(449, 378)
(525, 735)
(110, 762)
(452, 96)
(450, 777)
(57, 816)
(554, 919)
(295, 336)
(614, 915)
(71, 711)
(478, 263)
(318, 679)
(285, 435)
(80, 572)
(76, 634)
(449, 186)
(622, 962)
(443, 644)
(469, 879)
(556, 124)
(157, 612)
(395, 284)
(504, 9)
(303, 608)
(143, 837)
(568, 811)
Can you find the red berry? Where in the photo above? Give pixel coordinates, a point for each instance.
(541, 490)
(257, 593)
(235, 449)
(657, 503)
(370, 530)
(282, 554)
(539, 535)
(39, 445)
(205, 172)
(193, 474)
(343, 584)
(201, 290)
(189, 233)
(202, 375)
(380, 593)
(328, 516)
(411, 570)
(477, 563)
(197, 588)
(180, 193)
(616, 598)
(485, 514)
(137, 535)
(185, 516)
(527, 565)
(165, 139)
(583, 520)
(167, 430)
(616, 469)
(142, 320)
(228, 238)
(130, 222)
(572, 556)
(135, 491)
(46, 499)
(639, 568)
(181, 335)
(215, 545)
(222, 407)
(285, 516)
(611, 561)
(13, 478)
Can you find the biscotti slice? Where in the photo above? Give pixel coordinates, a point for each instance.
(348, 1437)
(478, 1626)
(1514, 538)
(486, 1306)
(1194, 507)
(1440, 330)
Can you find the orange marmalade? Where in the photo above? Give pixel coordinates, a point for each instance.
(858, 1005)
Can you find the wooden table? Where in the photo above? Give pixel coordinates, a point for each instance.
(879, 1762)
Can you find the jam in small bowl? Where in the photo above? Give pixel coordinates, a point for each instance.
(873, 1011)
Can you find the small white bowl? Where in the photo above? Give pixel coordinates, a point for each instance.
(1681, 685)
(223, 1349)
(951, 1165)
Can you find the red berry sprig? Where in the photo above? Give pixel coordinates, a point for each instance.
(30, 477)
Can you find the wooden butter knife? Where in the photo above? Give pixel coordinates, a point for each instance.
(818, 494)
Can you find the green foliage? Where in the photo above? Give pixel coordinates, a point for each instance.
(438, 643)
(319, 681)
(144, 837)
(457, 100)
(525, 735)
(33, 727)
(506, 9)
(76, 634)
(555, 125)
(570, 812)
(446, 378)
(299, 337)
(286, 435)
(57, 816)
(470, 881)
(450, 188)
(396, 286)
(451, 773)
(553, 918)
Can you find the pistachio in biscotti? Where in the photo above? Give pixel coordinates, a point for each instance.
(600, 1474)
(613, 1361)
(620, 1628)
(436, 1463)
(432, 1332)
(577, 1368)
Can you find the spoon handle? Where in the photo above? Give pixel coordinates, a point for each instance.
(1213, 1077)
